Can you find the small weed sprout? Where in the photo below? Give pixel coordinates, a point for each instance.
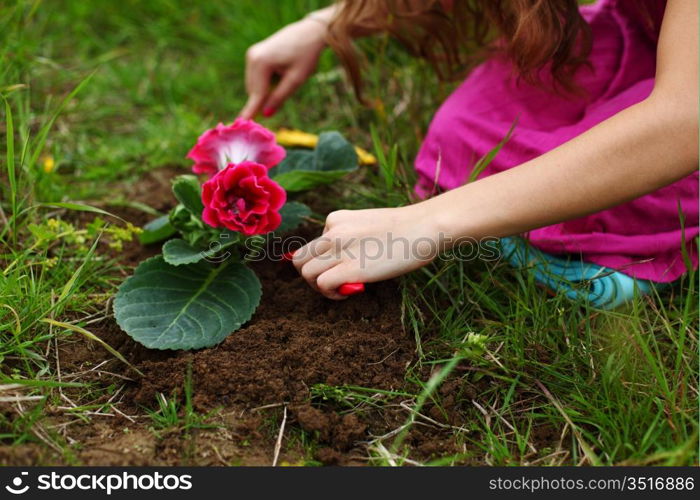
(171, 415)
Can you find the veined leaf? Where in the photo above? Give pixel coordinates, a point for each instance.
(157, 230)
(188, 192)
(186, 307)
(178, 252)
(333, 158)
(293, 214)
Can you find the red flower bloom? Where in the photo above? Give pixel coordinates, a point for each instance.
(243, 198)
(243, 140)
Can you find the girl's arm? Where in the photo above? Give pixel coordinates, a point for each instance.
(641, 149)
(292, 53)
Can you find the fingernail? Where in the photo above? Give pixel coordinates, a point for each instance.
(268, 112)
(288, 255)
(351, 289)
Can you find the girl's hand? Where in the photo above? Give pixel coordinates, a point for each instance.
(292, 54)
(366, 246)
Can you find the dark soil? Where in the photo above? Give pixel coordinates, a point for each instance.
(296, 339)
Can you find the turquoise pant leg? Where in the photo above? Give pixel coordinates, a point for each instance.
(603, 287)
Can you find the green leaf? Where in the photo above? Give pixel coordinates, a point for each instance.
(185, 307)
(332, 159)
(303, 180)
(333, 152)
(191, 227)
(157, 230)
(79, 207)
(188, 192)
(296, 159)
(178, 252)
(293, 214)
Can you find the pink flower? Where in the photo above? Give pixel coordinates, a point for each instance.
(243, 140)
(243, 198)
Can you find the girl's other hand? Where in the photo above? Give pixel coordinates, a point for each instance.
(362, 246)
(291, 54)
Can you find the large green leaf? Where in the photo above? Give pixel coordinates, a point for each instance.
(333, 158)
(293, 214)
(188, 192)
(179, 252)
(296, 159)
(186, 307)
(333, 152)
(157, 230)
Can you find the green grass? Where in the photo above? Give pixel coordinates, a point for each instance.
(174, 415)
(109, 90)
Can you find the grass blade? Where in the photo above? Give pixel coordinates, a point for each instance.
(488, 158)
(80, 207)
(11, 174)
(93, 337)
(38, 146)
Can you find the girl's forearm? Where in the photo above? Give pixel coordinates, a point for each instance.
(639, 150)
(324, 15)
(327, 15)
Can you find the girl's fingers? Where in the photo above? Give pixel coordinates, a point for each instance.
(331, 280)
(310, 251)
(258, 87)
(291, 81)
(252, 107)
(313, 268)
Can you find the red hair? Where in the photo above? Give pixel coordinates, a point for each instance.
(533, 34)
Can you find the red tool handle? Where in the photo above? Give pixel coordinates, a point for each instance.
(351, 289)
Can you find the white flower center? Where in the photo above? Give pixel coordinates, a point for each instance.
(236, 152)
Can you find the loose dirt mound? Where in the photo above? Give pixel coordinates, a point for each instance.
(295, 340)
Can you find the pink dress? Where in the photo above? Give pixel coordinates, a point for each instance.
(641, 238)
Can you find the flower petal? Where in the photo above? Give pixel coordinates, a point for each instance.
(243, 198)
(243, 140)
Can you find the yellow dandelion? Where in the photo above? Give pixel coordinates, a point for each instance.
(48, 164)
(292, 138)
